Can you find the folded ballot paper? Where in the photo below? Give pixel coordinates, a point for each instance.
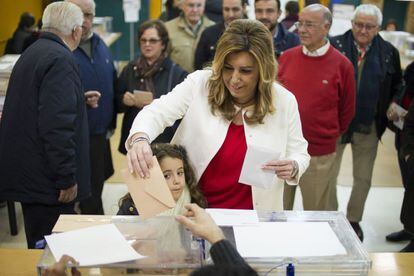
(252, 172)
(96, 245)
(151, 195)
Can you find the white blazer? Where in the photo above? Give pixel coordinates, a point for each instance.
(203, 133)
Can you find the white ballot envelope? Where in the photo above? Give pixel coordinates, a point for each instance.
(252, 173)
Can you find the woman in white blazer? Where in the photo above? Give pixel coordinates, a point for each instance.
(233, 106)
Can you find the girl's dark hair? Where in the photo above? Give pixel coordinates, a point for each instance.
(163, 150)
(161, 30)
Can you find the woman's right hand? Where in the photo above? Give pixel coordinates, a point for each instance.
(128, 99)
(139, 156)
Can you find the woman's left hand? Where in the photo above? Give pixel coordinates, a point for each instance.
(284, 169)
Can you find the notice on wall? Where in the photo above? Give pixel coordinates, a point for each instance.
(131, 10)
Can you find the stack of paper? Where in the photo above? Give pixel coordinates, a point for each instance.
(287, 239)
(96, 245)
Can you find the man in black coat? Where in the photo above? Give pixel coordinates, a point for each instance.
(206, 47)
(44, 161)
(378, 77)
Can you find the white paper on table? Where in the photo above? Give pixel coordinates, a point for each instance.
(96, 245)
(231, 217)
(401, 112)
(252, 173)
(287, 239)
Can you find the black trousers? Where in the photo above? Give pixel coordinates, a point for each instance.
(407, 175)
(39, 220)
(101, 169)
(407, 208)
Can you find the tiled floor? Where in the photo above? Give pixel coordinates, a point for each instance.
(381, 211)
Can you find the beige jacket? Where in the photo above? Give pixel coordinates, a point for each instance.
(183, 42)
(203, 133)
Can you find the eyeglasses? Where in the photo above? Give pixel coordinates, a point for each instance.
(306, 25)
(151, 41)
(360, 26)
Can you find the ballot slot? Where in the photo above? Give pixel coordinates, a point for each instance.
(352, 260)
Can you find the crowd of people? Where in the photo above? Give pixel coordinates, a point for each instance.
(284, 86)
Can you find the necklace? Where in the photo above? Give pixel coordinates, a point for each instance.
(243, 105)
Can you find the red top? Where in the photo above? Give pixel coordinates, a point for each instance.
(324, 87)
(220, 181)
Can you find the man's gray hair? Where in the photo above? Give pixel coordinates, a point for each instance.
(326, 13)
(62, 16)
(91, 2)
(93, 5)
(369, 9)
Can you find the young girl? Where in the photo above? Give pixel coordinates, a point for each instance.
(180, 178)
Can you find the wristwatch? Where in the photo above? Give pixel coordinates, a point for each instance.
(295, 169)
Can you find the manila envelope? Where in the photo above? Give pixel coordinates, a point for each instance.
(151, 195)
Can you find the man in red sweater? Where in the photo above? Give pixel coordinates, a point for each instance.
(322, 80)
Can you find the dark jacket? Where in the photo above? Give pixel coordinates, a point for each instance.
(284, 40)
(127, 208)
(98, 73)
(128, 81)
(206, 47)
(390, 80)
(15, 45)
(407, 147)
(227, 261)
(44, 144)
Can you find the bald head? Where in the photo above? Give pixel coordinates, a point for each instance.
(325, 13)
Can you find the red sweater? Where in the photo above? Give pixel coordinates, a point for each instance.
(324, 87)
(220, 181)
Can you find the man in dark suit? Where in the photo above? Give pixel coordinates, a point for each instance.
(98, 76)
(44, 161)
(206, 47)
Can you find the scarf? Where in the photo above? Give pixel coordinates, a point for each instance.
(179, 205)
(368, 92)
(369, 78)
(145, 72)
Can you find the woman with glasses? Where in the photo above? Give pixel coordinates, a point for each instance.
(148, 77)
(226, 110)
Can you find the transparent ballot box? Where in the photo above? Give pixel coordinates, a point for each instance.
(355, 262)
(168, 247)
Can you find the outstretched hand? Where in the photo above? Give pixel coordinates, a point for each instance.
(201, 224)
